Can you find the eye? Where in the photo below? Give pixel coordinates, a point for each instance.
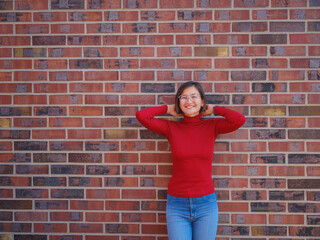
(184, 98)
(194, 97)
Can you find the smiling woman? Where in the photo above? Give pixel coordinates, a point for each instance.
(192, 145)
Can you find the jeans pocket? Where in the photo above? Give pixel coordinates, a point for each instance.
(210, 198)
(170, 199)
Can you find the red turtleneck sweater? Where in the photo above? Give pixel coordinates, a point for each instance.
(192, 145)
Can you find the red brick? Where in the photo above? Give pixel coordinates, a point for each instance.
(101, 76)
(86, 228)
(101, 122)
(30, 99)
(195, 63)
(314, 98)
(121, 157)
(249, 51)
(64, 52)
(101, 99)
(154, 228)
(65, 122)
(15, 40)
(305, 38)
(85, 16)
(100, 52)
(5, 100)
(50, 64)
(15, 64)
(50, 88)
(138, 99)
(16, 17)
(193, 39)
(103, 194)
(121, 63)
(227, 15)
(137, 52)
(6, 146)
(313, 171)
(157, 15)
(175, 27)
(270, 14)
(66, 216)
(122, 87)
(84, 40)
(233, 207)
(286, 171)
(6, 28)
(31, 4)
(138, 145)
(65, 99)
(120, 40)
(86, 205)
(32, 28)
(231, 39)
(312, 13)
(231, 63)
(50, 16)
(121, 15)
(174, 75)
(285, 3)
(66, 146)
(84, 134)
(29, 76)
(67, 28)
(155, 40)
(138, 194)
(214, 3)
(303, 87)
(104, 28)
(30, 122)
(285, 75)
(176, 4)
(65, 76)
(48, 134)
(50, 227)
(122, 205)
(249, 146)
(6, 76)
(287, 99)
(85, 111)
(286, 219)
(248, 171)
(102, 217)
(139, 28)
(249, 219)
(269, 63)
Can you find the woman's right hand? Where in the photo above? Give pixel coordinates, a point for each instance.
(171, 110)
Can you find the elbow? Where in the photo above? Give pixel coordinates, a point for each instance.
(242, 120)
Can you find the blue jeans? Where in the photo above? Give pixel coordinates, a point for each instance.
(192, 218)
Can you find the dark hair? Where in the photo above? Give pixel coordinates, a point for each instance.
(182, 88)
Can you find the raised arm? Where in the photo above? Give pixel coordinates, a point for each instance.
(147, 118)
(230, 122)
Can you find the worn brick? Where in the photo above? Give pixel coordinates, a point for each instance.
(269, 231)
(303, 183)
(70, 4)
(267, 207)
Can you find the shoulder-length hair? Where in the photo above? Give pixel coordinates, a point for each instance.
(182, 88)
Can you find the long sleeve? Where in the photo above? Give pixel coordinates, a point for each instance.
(232, 120)
(147, 118)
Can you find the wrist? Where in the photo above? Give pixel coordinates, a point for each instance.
(213, 109)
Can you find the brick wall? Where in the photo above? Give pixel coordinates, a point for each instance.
(76, 165)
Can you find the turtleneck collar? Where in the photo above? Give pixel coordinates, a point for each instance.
(192, 120)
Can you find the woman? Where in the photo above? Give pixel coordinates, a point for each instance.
(192, 210)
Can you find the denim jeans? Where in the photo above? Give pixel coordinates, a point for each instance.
(192, 218)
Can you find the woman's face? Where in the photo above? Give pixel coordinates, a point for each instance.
(190, 101)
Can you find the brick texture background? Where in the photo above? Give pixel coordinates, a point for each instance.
(76, 165)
